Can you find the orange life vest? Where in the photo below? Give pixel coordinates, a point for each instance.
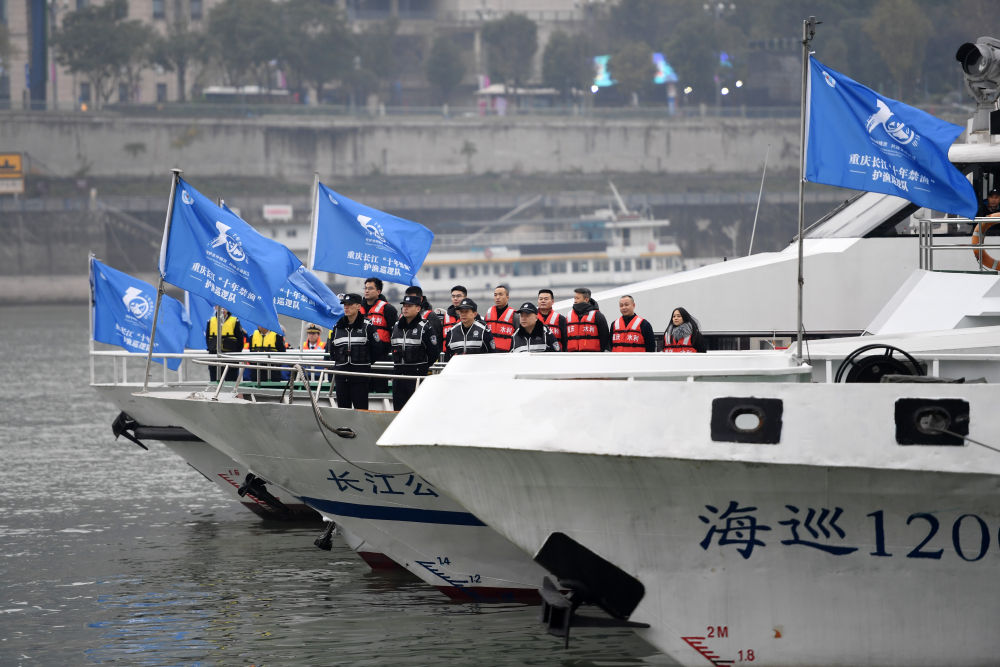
(447, 322)
(581, 333)
(552, 322)
(683, 345)
(375, 315)
(502, 328)
(628, 338)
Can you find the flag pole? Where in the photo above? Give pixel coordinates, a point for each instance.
(312, 243)
(90, 316)
(808, 32)
(159, 287)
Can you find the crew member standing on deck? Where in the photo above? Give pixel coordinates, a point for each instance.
(352, 346)
(532, 335)
(500, 319)
(553, 320)
(469, 336)
(449, 317)
(586, 328)
(232, 341)
(415, 346)
(683, 334)
(265, 340)
(382, 315)
(631, 333)
(426, 310)
(312, 341)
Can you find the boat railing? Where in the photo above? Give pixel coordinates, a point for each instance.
(927, 248)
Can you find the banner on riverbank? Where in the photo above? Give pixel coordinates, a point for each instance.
(858, 139)
(123, 314)
(356, 240)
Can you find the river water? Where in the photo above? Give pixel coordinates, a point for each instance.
(114, 555)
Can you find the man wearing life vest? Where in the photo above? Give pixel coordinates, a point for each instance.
(631, 333)
(683, 334)
(586, 328)
(382, 315)
(500, 319)
(352, 346)
(469, 336)
(449, 318)
(265, 340)
(415, 346)
(231, 339)
(532, 335)
(555, 322)
(312, 341)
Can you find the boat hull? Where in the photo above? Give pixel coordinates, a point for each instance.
(836, 544)
(365, 490)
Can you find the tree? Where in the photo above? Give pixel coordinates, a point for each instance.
(177, 50)
(374, 62)
(511, 43)
(899, 31)
(566, 63)
(248, 37)
(319, 45)
(98, 43)
(136, 40)
(445, 68)
(632, 67)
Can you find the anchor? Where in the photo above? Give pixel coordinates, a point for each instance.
(583, 577)
(325, 541)
(257, 488)
(124, 425)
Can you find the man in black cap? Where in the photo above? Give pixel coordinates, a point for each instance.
(352, 345)
(532, 335)
(469, 336)
(990, 207)
(415, 346)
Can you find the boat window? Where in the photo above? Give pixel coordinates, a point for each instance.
(618, 265)
(452, 272)
(628, 264)
(437, 272)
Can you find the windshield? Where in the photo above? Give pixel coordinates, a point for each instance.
(867, 215)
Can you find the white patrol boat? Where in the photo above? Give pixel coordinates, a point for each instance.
(734, 507)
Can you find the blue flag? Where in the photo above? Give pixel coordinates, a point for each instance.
(211, 252)
(199, 312)
(306, 297)
(123, 314)
(861, 140)
(355, 240)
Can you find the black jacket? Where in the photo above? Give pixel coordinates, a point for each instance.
(603, 334)
(539, 340)
(477, 339)
(352, 345)
(414, 343)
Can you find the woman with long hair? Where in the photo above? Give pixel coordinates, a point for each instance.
(683, 334)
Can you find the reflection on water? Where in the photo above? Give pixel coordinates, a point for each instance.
(112, 554)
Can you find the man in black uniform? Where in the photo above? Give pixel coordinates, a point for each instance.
(415, 346)
(532, 335)
(353, 346)
(469, 336)
(232, 340)
(990, 207)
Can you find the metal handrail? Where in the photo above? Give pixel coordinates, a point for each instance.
(925, 234)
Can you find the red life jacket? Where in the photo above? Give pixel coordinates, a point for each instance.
(628, 338)
(683, 345)
(447, 321)
(581, 333)
(502, 329)
(552, 322)
(375, 315)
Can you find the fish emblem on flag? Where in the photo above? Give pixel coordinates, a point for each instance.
(138, 305)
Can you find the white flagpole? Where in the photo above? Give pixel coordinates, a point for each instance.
(808, 32)
(159, 287)
(90, 316)
(312, 242)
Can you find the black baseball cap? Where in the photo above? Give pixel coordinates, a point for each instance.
(993, 191)
(412, 300)
(467, 303)
(528, 307)
(351, 297)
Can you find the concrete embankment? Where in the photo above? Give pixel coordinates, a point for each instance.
(292, 148)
